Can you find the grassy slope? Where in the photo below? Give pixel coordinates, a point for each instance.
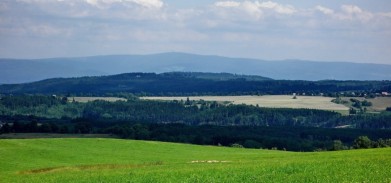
(52, 135)
(115, 160)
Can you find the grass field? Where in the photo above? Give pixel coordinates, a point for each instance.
(274, 101)
(116, 160)
(88, 99)
(52, 135)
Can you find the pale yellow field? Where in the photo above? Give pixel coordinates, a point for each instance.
(273, 101)
(378, 103)
(88, 99)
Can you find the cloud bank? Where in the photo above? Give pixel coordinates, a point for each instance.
(250, 28)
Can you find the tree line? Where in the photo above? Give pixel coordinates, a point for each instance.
(198, 122)
(282, 138)
(187, 112)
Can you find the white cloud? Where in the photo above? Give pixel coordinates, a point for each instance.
(255, 9)
(351, 9)
(352, 12)
(92, 2)
(118, 10)
(234, 11)
(102, 3)
(282, 9)
(227, 4)
(252, 9)
(150, 3)
(145, 3)
(324, 10)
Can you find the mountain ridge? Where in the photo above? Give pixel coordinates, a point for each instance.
(188, 83)
(30, 70)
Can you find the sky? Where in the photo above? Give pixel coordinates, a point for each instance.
(320, 30)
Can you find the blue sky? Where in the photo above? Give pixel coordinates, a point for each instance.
(345, 30)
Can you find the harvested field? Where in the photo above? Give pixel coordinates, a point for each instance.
(89, 99)
(378, 103)
(272, 101)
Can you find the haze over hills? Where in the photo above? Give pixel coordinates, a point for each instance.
(28, 70)
(188, 83)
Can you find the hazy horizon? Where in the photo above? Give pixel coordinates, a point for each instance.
(333, 31)
(195, 54)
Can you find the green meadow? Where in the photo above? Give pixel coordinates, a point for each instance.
(116, 160)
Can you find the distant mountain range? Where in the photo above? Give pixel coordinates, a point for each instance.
(29, 70)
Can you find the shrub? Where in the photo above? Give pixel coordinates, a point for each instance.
(338, 145)
(362, 142)
(237, 145)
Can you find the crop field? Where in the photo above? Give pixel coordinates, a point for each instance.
(378, 103)
(273, 101)
(89, 99)
(116, 160)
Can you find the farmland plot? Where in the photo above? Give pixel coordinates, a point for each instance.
(272, 101)
(89, 99)
(378, 103)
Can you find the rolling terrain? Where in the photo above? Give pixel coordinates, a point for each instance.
(189, 83)
(114, 160)
(28, 70)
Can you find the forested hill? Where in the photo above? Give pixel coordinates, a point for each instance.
(14, 71)
(185, 83)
